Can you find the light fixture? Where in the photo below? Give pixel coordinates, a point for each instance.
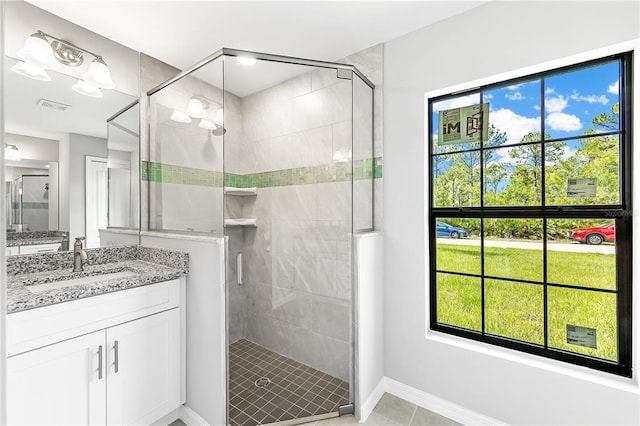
(99, 75)
(39, 55)
(219, 119)
(87, 89)
(180, 117)
(246, 60)
(196, 108)
(32, 71)
(12, 153)
(207, 124)
(38, 52)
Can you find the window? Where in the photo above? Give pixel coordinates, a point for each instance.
(530, 214)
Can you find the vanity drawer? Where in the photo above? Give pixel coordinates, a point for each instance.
(27, 330)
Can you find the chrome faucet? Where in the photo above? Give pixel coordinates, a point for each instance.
(78, 254)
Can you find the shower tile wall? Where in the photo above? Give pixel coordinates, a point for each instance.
(185, 172)
(35, 203)
(369, 62)
(296, 294)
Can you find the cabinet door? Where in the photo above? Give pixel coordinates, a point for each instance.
(39, 248)
(144, 369)
(58, 384)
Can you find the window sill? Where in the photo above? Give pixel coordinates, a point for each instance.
(575, 371)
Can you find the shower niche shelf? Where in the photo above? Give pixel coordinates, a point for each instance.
(240, 192)
(251, 222)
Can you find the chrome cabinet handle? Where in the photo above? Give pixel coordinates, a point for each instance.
(99, 362)
(115, 357)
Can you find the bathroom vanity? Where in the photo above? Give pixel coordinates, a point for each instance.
(100, 346)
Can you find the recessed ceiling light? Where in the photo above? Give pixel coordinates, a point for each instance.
(246, 60)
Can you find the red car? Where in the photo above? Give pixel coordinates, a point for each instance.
(596, 235)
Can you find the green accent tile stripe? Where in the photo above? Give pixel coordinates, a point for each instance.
(326, 173)
(35, 206)
(169, 173)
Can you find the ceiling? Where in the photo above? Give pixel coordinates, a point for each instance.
(181, 33)
(49, 110)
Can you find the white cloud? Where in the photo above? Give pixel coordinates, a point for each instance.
(568, 152)
(503, 158)
(457, 102)
(556, 104)
(536, 107)
(563, 122)
(488, 96)
(515, 126)
(549, 90)
(515, 96)
(614, 87)
(514, 87)
(592, 99)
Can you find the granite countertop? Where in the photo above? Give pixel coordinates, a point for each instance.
(34, 241)
(30, 238)
(35, 281)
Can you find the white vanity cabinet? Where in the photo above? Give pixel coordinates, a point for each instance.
(128, 371)
(57, 384)
(146, 354)
(12, 251)
(39, 248)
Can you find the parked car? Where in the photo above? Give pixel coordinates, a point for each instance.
(446, 230)
(595, 235)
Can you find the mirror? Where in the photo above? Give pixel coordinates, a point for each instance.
(123, 166)
(74, 151)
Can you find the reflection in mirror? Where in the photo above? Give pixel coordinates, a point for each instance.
(123, 166)
(56, 130)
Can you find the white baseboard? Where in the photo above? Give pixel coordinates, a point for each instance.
(168, 419)
(427, 401)
(366, 408)
(190, 417)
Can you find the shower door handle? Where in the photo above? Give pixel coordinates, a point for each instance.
(239, 268)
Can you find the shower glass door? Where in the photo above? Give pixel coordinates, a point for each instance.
(288, 218)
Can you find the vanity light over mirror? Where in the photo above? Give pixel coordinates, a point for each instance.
(72, 133)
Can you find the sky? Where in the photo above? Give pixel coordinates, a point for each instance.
(571, 102)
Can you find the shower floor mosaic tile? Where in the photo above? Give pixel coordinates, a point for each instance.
(293, 390)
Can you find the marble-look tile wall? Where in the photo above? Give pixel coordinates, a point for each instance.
(369, 61)
(186, 161)
(296, 294)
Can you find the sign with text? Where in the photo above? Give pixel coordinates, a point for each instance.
(581, 336)
(585, 187)
(464, 125)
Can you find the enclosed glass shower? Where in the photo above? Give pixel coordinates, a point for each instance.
(275, 154)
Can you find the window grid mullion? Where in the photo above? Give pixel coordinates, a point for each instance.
(546, 213)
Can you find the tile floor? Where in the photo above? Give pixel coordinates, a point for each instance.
(390, 411)
(294, 390)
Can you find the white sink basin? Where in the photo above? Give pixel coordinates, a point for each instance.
(39, 288)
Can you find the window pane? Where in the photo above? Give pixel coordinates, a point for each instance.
(513, 248)
(459, 301)
(459, 102)
(514, 113)
(456, 180)
(581, 253)
(583, 101)
(591, 318)
(583, 172)
(512, 176)
(458, 245)
(514, 310)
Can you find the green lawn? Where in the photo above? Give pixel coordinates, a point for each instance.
(515, 310)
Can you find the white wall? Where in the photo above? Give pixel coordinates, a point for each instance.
(495, 38)
(79, 146)
(34, 148)
(206, 343)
